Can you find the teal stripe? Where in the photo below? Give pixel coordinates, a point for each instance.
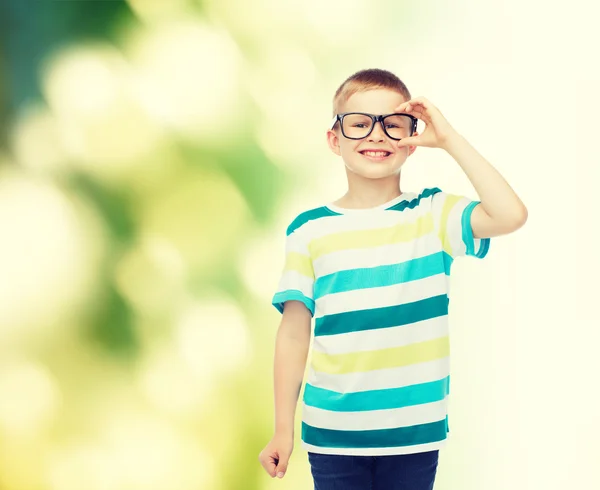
(383, 275)
(406, 396)
(467, 233)
(483, 249)
(283, 296)
(384, 317)
(309, 215)
(402, 205)
(400, 436)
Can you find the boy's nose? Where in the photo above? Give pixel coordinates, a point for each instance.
(377, 134)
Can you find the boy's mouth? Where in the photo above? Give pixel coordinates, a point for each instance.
(375, 155)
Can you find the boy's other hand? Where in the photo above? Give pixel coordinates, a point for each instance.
(438, 130)
(275, 456)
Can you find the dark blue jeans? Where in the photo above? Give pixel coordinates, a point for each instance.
(394, 472)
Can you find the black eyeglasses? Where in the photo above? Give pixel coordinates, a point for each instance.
(359, 125)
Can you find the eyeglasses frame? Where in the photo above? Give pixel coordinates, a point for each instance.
(375, 119)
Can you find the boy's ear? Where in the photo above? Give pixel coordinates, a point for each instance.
(333, 141)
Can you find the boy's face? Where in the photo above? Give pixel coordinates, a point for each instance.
(375, 101)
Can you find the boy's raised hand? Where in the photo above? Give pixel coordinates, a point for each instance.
(275, 456)
(437, 129)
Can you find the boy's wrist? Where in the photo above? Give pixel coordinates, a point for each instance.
(451, 141)
(284, 431)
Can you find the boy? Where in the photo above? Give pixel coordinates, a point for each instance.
(373, 268)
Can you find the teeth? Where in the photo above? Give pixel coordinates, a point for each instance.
(376, 153)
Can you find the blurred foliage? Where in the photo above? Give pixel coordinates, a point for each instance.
(150, 154)
(30, 29)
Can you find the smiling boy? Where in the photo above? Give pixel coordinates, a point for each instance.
(372, 268)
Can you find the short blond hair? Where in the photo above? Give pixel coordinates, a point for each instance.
(364, 80)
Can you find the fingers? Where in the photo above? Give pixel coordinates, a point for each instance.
(274, 466)
(417, 106)
(410, 104)
(422, 101)
(268, 463)
(281, 468)
(411, 140)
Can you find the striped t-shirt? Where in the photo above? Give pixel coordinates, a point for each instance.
(376, 282)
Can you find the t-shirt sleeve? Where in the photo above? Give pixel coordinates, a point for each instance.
(297, 278)
(452, 221)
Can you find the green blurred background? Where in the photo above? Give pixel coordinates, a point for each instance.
(152, 154)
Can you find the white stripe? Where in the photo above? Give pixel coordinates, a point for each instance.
(321, 227)
(382, 338)
(296, 242)
(394, 253)
(375, 451)
(454, 228)
(375, 419)
(379, 297)
(379, 379)
(294, 280)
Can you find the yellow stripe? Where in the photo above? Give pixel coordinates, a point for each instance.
(448, 205)
(355, 362)
(371, 238)
(301, 263)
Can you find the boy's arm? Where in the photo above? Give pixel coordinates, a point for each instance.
(501, 211)
(291, 350)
